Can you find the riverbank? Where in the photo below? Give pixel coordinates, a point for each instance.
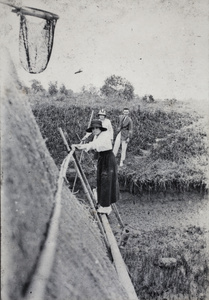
(166, 248)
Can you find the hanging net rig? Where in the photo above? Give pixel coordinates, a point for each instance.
(36, 37)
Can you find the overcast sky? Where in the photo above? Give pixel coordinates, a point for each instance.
(160, 46)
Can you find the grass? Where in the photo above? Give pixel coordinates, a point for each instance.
(168, 150)
(168, 264)
(178, 162)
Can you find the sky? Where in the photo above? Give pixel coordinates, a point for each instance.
(159, 46)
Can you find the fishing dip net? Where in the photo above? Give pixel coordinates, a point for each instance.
(36, 38)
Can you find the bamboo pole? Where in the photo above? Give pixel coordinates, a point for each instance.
(89, 196)
(64, 139)
(118, 261)
(38, 283)
(118, 215)
(30, 11)
(108, 235)
(81, 157)
(86, 186)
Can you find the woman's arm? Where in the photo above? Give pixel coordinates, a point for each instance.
(100, 143)
(85, 147)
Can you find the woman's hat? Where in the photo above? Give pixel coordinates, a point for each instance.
(96, 123)
(102, 112)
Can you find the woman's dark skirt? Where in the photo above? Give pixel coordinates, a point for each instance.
(107, 179)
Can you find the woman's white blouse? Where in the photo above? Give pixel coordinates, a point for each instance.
(102, 142)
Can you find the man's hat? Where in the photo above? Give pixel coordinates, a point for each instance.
(102, 112)
(96, 123)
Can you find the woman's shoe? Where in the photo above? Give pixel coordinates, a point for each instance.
(104, 210)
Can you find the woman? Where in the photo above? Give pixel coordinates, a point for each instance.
(106, 123)
(107, 177)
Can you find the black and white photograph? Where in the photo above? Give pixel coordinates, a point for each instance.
(104, 149)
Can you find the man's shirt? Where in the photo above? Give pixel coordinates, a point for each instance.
(125, 126)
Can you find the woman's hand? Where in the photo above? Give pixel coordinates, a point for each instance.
(78, 146)
(75, 146)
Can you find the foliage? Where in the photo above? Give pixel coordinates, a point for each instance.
(90, 96)
(72, 120)
(63, 90)
(168, 149)
(148, 126)
(170, 163)
(186, 143)
(178, 161)
(36, 86)
(185, 278)
(148, 98)
(171, 101)
(53, 89)
(148, 175)
(119, 87)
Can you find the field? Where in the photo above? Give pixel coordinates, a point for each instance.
(169, 146)
(164, 191)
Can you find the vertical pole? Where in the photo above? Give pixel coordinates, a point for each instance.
(76, 176)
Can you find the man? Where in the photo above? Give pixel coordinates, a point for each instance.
(125, 132)
(106, 123)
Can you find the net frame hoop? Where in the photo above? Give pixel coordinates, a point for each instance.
(35, 12)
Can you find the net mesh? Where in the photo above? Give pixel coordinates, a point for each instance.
(35, 43)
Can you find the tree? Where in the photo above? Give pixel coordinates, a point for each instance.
(63, 90)
(90, 89)
(117, 86)
(53, 90)
(148, 98)
(36, 86)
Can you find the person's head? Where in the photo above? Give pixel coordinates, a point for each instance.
(96, 127)
(126, 111)
(102, 114)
